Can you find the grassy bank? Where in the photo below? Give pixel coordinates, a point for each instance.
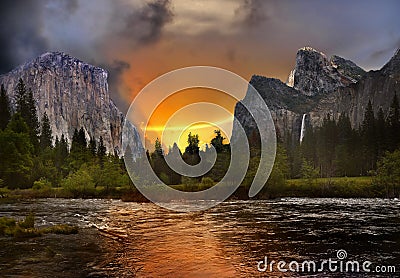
(344, 187)
(340, 187)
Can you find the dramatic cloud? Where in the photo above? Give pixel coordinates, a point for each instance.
(20, 32)
(138, 40)
(147, 23)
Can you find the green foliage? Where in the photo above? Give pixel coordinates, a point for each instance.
(60, 155)
(388, 173)
(26, 228)
(111, 176)
(336, 149)
(45, 133)
(158, 151)
(4, 191)
(279, 173)
(101, 151)
(221, 165)
(7, 226)
(5, 109)
(42, 184)
(308, 171)
(27, 108)
(217, 141)
(393, 123)
(207, 182)
(164, 178)
(28, 222)
(92, 147)
(16, 159)
(189, 181)
(193, 144)
(79, 183)
(340, 187)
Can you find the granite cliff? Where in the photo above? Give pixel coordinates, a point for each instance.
(74, 94)
(318, 86)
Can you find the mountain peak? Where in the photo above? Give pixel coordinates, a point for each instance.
(314, 74)
(57, 60)
(74, 94)
(311, 50)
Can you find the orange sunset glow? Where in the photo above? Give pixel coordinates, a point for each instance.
(184, 112)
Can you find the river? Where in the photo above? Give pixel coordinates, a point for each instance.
(119, 239)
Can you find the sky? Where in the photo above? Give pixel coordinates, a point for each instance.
(137, 41)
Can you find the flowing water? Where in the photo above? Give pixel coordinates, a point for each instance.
(228, 240)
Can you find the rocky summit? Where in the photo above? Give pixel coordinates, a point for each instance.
(314, 74)
(318, 86)
(74, 94)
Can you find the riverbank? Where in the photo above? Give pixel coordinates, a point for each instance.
(336, 187)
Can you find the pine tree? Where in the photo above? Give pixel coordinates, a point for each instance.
(5, 109)
(45, 133)
(191, 155)
(217, 141)
(369, 137)
(92, 146)
(75, 142)
(193, 144)
(394, 124)
(16, 154)
(381, 133)
(101, 151)
(82, 138)
(27, 108)
(158, 148)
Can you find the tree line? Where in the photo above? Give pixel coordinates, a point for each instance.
(336, 149)
(30, 158)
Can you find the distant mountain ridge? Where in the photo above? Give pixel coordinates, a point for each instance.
(318, 86)
(74, 94)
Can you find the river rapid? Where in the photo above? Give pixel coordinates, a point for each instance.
(232, 239)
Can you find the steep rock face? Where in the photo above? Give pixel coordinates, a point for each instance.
(286, 105)
(347, 68)
(378, 87)
(317, 87)
(314, 74)
(74, 94)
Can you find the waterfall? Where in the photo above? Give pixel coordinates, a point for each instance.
(303, 127)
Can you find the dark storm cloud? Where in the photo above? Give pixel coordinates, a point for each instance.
(20, 32)
(29, 28)
(115, 70)
(146, 24)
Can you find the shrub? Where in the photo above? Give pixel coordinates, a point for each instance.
(26, 228)
(28, 222)
(79, 184)
(42, 184)
(7, 226)
(20, 232)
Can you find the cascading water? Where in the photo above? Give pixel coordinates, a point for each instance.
(303, 128)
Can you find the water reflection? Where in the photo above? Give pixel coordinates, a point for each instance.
(229, 239)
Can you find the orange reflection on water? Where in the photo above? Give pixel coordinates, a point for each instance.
(174, 245)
